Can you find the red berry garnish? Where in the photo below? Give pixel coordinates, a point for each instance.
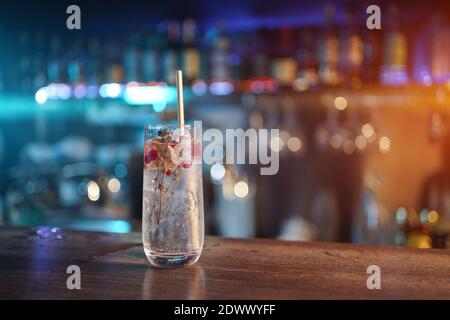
(147, 159)
(150, 156)
(153, 154)
(186, 165)
(168, 172)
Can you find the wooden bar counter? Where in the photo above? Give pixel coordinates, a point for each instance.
(33, 265)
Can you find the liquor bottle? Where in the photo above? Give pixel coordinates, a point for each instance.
(112, 57)
(239, 49)
(150, 57)
(131, 57)
(328, 50)
(219, 45)
(75, 66)
(54, 64)
(3, 42)
(254, 71)
(394, 68)
(372, 56)
(284, 64)
(28, 64)
(38, 66)
(190, 53)
(245, 49)
(436, 188)
(352, 53)
(440, 49)
(170, 52)
(3, 58)
(259, 56)
(22, 77)
(94, 65)
(308, 68)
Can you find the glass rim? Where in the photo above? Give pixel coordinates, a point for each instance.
(169, 125)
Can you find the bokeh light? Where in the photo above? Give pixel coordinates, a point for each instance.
(241, 189)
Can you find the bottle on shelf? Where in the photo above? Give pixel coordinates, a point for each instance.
(112, 59)
(2, 80)
(254, 65)
(246, 50)
(440, 49)
(435, 220)
(54, 67)
(219, 50)
(283, 62)
(259, 56)
(190, 53)
(371, 56)
(169, 59)
(22, 78)
(75, 66)
(328, 50)
(395, 50)
(38, 66)
(150, 60)
(352, 52)
(131, 56)
(307, 64)
(94, 65)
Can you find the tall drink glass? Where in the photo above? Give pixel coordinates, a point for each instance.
(172, 217)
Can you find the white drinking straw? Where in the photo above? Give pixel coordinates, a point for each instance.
(195, 240)
(180, 101)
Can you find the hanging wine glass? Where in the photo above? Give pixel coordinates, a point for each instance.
(326, 131)
(337, 133)
(291, 132)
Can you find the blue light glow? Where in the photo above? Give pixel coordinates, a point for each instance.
(158, 96)
(217, 171)
(116, 226)
(113, 90)
(221, 88)
(64, 91)
(199, 88)
(393, 76)
(79, 91)
(41, 96)
(52, 91)
(110, 90)
(91, 92)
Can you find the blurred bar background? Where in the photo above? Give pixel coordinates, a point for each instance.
(363, 114)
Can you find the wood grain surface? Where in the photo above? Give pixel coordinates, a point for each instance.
(33, 265)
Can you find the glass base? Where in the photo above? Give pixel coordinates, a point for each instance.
(166, 261)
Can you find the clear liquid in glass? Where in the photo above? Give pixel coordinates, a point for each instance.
(172, 221)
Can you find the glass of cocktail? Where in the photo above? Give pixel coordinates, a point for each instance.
(172, 211)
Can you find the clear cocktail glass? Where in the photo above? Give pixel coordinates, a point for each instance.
(172, 211)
